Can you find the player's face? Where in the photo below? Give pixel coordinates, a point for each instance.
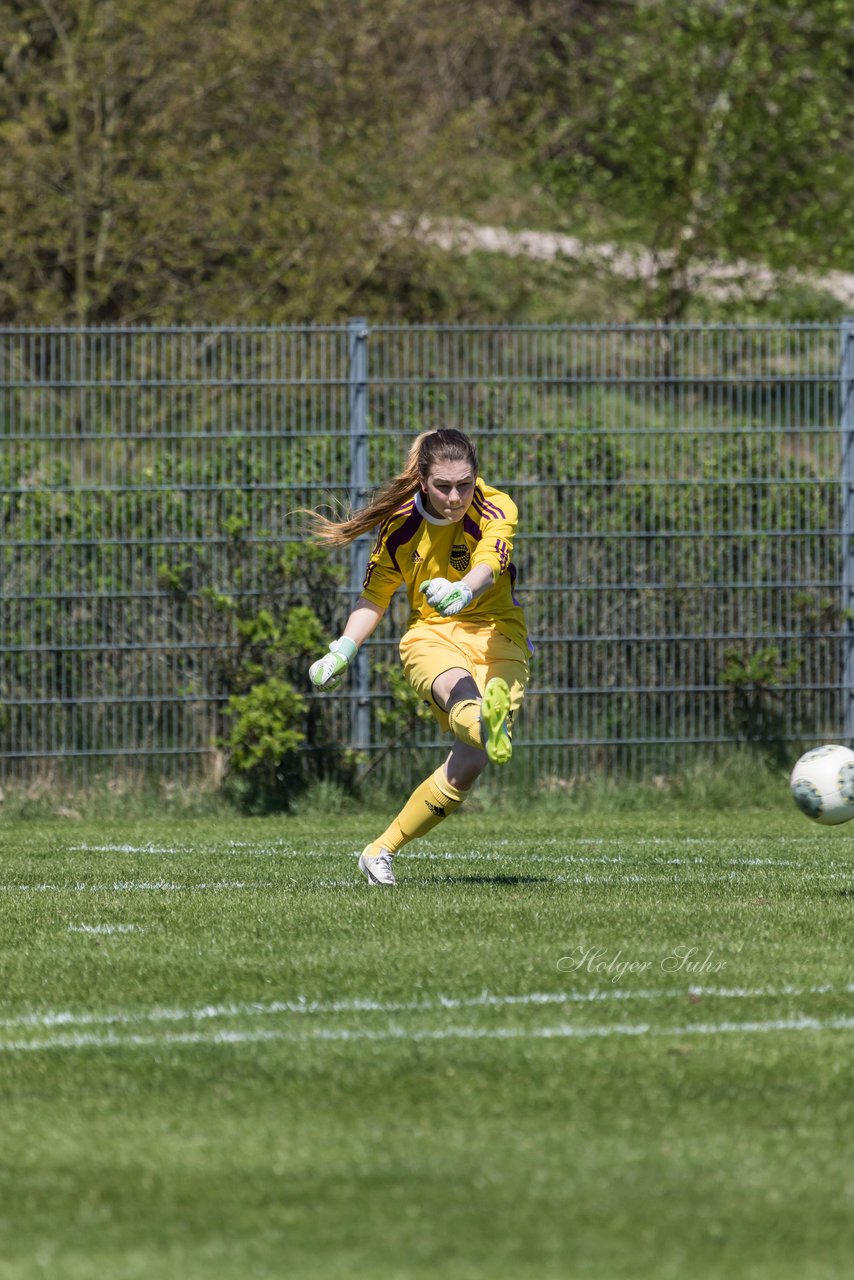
(449, 489)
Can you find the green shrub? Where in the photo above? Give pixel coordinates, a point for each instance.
(263, 745)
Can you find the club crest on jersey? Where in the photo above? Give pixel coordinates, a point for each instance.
(460, 557)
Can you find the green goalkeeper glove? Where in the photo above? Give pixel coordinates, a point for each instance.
(327, 673)
(447, 597)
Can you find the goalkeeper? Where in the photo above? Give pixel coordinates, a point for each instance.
(447, 536)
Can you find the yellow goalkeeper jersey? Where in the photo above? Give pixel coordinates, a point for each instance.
(413, 546)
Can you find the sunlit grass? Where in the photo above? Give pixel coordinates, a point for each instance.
(586, 1043)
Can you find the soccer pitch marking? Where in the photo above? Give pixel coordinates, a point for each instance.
(356, 881)
(576, 860)
(249, 850)
(704, 874)
(559, 1032)
(106, 928)
(130, 886)
(302, 1006)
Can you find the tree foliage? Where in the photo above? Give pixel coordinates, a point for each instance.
(177, 160)
(173, 160)
(719, 130)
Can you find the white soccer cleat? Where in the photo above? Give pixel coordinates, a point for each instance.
(378, 870)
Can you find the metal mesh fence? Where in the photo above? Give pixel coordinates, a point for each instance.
(682, 555)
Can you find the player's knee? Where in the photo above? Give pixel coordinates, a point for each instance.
(464, 722)
(452, 687)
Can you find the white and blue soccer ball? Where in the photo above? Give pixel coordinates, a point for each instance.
(822, 784)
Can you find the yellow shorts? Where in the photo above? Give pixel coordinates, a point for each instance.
(428, 650)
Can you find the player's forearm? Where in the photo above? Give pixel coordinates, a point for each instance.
(479, 579)
(363, 621)
(328, 671)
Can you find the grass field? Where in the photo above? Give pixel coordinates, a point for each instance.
(591, 1047)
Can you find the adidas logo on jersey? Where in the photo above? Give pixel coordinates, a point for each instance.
(460, 557)
(416, 558)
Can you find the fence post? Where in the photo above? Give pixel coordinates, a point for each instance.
(358, 384)
(846, 423)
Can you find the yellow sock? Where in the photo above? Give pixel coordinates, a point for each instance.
(464, 719)
(429, 803)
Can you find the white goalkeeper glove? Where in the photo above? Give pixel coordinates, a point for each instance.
(327, 673)
(447, 597)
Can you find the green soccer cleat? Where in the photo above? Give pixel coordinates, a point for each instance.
(493, 720)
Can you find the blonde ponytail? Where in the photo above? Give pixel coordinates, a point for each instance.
(429, 447)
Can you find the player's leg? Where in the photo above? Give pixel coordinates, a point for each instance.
(455, 692)
(430, 803)
(480, 724)
(438, 664)
(476, 719)
(464, 765)
(502, 672)
(434, 668)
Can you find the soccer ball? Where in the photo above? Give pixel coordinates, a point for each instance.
(822, 784)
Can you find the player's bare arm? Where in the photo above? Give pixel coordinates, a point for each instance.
(327, 673)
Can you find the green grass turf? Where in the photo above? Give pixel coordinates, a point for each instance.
(279, 1072)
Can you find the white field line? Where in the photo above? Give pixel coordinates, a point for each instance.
(716, 866)
(356, 881)
(835, 832)
(491, 856)
(106, 928)
(486, 1000)
(128, 886)
(697, 859)
(129, 848)
(706, 876)
(560, 1031)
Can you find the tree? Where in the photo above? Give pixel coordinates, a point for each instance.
(717, 129)
(173, 160)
